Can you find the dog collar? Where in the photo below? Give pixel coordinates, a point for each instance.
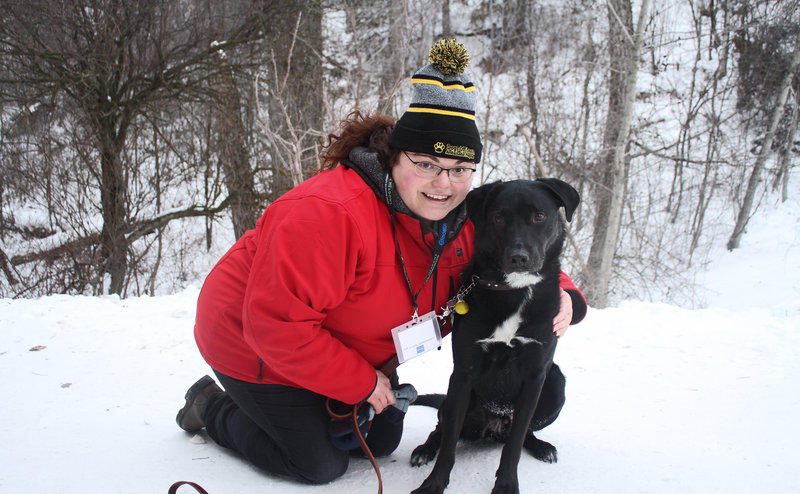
(493, 285)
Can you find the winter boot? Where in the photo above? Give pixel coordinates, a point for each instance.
(190, 417)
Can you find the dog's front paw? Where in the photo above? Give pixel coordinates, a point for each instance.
(541, 450)
(422, 455)
(501, 488)
(429, 487)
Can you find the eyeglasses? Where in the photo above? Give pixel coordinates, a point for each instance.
(426, 169)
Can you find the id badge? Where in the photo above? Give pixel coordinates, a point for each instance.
(416, 337)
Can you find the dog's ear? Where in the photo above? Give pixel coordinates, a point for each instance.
(565, 193)
(477, 199)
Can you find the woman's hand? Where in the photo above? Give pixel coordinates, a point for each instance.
(382, 395)
(564, 316)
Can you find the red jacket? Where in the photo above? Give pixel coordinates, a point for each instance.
(308, 298)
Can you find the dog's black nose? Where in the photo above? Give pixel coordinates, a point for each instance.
(519, 258)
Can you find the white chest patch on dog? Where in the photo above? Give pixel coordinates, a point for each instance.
(507, 331)
(521, 280)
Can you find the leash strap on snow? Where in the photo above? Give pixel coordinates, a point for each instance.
(352, 415)
(173, 489)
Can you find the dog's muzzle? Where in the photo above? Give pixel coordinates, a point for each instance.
(521, 260)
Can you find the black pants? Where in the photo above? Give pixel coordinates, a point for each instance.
(284, 430)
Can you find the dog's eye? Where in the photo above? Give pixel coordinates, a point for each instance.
(499, 220)
(539, 216)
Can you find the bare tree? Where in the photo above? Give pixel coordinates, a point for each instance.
(111, 65)
(294, 103)
(374, 60)
(766, 149)
(624, 68)
(231, 144)
(786, 151)
(447, 29)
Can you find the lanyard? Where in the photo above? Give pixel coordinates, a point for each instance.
(437, 249)
(437, 252)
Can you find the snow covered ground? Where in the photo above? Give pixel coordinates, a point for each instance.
(661, 399)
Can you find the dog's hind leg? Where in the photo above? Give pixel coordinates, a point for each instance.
(541, 450)
(547, 410)
(551, 401)
(426, 451)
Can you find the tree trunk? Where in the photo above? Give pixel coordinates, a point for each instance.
(295, 103)
(113, 197)
(766, 149)
(785, 154)
(392, 71)
(151, 283)
(234, 157)
(625, 52)
(447, 30)
(531, 71)
(590, 64)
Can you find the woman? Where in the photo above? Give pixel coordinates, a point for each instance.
(300, 308)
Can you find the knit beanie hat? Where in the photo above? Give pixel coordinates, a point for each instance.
(440, 120)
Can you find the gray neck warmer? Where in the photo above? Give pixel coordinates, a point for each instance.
(369, 167)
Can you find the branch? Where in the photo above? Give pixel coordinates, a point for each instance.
(7, 268)
(648, 151)
(543, 173)
(58, 251)
(142, 228)
(132, 232)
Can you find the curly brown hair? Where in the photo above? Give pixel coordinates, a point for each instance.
(358, 129)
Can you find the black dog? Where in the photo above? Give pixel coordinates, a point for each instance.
(504, 383)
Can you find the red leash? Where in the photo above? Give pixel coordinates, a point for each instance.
(352, 415)
(173, 489)
(388, 368)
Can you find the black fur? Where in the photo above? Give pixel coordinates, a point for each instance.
(505, 390)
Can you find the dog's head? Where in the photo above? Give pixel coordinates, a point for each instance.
(517, 225)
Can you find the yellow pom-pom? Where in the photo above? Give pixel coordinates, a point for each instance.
(449, 56)
(462, 308)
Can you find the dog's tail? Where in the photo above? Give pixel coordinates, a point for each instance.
(430, 400)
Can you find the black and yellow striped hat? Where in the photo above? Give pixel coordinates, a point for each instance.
(440, 120)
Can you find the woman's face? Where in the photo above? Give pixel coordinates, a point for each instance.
(429, 198)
